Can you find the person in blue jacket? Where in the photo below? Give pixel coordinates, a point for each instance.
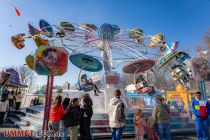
(201, 111)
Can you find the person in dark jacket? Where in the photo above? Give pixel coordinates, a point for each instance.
(72, 118)
(75, 114)
(85, 121)
(11, 100)
(5, 94)
(65, 104)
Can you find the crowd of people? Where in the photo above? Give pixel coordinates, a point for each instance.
(154, 126)
(14, 98)
(9, 101)
(76, 113)
(72, 114)
(158, 126)
(36, 101)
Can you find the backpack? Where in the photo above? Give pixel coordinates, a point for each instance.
(121, 112)
(72, 117)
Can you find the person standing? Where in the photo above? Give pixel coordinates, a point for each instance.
(151, 130)
(161, 115)
(36, 101)
(168, 102)
(117, 115)
(85, 120)
(140, 124)
(5, 94)
(201, 110)
(3, 110)
(18, 99)
(74, 118)
(11, 100)
(65, 104)
(182, 106)
(56, 113)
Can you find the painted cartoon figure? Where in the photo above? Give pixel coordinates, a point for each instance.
(137, 34)
(18, 41)
(200, 68)
(50, 57)
(156, 40)
(51, 61)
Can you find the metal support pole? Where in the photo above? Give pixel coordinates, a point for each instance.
(202, 89)
(48, 100)
(106, 69)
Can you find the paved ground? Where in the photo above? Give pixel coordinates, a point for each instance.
(174, 137)
(9, 126)
(189, 136)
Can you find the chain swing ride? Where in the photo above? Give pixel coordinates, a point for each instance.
(87, 45)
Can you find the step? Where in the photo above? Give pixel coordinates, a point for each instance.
(98, 123)
(183, 130)
(14, 116)
(17, 112)
(34, 115)
(32, 121)
(13, 120)
(39, 109)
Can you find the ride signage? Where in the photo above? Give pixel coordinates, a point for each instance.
(112, 78)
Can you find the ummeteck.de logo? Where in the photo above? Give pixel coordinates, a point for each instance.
(30, 133)
(18, 133)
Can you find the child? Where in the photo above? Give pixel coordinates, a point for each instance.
(140, 124)
(151, 131)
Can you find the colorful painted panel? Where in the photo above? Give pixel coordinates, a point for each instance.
(106, 32)
(51, 61)
(46, 28)
(86, 62)
(200, 69)
(32, 30)
(14, 76)
(30, 61)
(18, 41)
(138, 66)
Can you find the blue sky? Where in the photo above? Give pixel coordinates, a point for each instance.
(185, 20)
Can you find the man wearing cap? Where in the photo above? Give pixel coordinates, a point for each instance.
(201, 110)
(161, 115)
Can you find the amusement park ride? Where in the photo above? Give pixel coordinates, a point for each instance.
(87, 45)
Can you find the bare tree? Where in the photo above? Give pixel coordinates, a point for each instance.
(27, 76)
(207, 38)
(161, 79)
(126, 79)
